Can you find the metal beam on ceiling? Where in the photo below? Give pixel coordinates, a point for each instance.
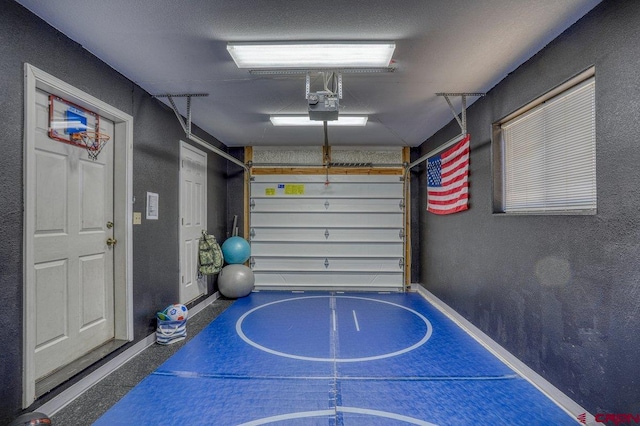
(462, 122)
(186, 126)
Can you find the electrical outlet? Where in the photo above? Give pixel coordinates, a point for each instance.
(137, 218)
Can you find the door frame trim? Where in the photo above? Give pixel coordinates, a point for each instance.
(35, 78)
(188, 146)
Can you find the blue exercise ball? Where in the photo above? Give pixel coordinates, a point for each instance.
(236, 281)
(236, 250)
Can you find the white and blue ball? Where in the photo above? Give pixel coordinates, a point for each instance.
(176, 312)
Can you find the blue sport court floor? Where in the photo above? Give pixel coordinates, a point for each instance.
(277, 358)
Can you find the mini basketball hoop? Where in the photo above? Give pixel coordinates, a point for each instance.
(92, 141)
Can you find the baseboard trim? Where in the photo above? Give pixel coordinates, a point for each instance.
(67, 396)
(561, 399)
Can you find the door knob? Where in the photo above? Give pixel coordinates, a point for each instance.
(111, 242)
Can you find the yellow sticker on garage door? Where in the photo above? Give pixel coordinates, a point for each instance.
(291, 189)
(270, 191)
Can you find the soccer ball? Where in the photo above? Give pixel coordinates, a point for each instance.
(176, 312)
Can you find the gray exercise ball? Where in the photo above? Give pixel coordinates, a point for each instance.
(236, 281)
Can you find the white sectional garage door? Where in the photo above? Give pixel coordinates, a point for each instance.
(347, 235)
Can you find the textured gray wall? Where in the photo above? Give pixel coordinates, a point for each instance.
(26, 38)
(562, 293)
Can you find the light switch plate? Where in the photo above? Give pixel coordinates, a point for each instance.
(137, 218)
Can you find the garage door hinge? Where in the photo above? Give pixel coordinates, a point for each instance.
(326, 263)
(252, 263)
(252, 204)
(401, 205)
(326, 234)
(326, 205)
(401, 263)
(252, 234)
(401, 234)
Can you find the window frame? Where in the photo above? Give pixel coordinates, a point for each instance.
(498, 149)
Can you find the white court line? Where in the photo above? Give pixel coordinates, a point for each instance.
(282, 417)
(422, 341)
(385, 414)
(333, 315)
(339, 409)
(355, 319)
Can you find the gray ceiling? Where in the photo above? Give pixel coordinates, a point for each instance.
(179, 46)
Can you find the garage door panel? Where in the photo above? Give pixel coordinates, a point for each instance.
(326, 249)
(327, 219)
(322, 234)
(317, 279)
(345, 235)
(334, 189)
(364, 205)
(326, 264)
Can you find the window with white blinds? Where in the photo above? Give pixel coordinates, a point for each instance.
(549, 155)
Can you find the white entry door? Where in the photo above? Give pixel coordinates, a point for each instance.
(193, 219)
(72, 263)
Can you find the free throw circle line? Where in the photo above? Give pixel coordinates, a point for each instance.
(319, 413)
(422, 341)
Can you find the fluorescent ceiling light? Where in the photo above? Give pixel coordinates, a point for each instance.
(303, 120)
(311, 55)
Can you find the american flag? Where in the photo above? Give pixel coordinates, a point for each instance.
(447, 180)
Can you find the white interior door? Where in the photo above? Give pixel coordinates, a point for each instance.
(193, 219)
(72, 263)
(348, 235)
